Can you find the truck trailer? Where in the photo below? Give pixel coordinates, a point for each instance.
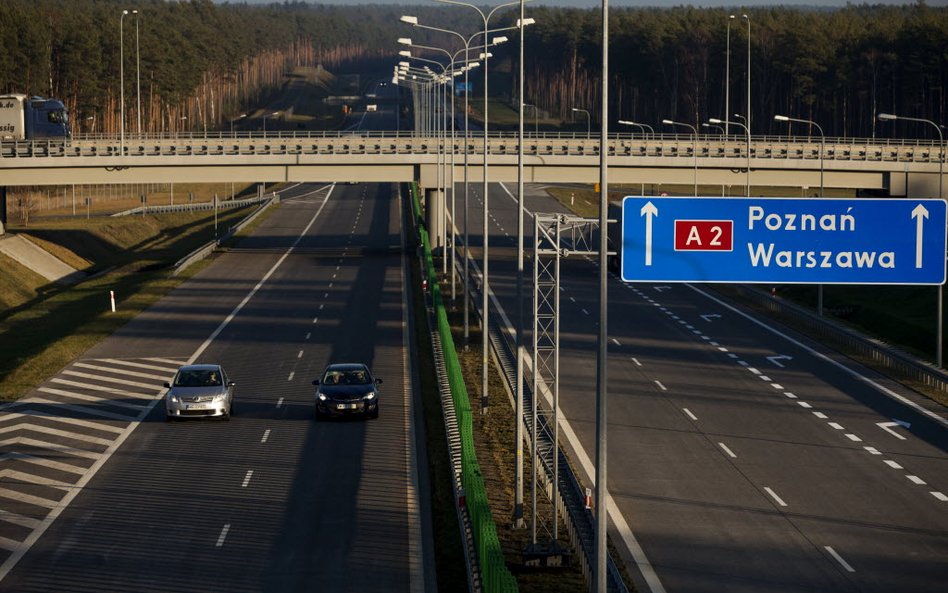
(32, 118)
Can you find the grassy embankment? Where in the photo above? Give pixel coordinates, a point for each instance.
(47, 325)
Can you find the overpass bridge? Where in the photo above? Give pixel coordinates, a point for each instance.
(895, 167)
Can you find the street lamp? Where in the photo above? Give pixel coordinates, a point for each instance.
(747, 18)
(727, 72)
(122, 81)
(238, 118)
(694, 149)
(941, 177)
(536, 125)
(709, 126)
(715, 120)
(822, 140)
(265, 116)
(643, 127)
(819, 293)
(92, 119)
(138, 76)
(588, 119)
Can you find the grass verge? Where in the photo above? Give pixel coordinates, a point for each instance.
(494, 441)
(56, 324)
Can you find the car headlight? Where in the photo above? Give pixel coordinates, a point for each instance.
(172, 398)
(220, 397)
(321, 397)
(370, 395)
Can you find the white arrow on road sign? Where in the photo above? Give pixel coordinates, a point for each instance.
(887, 426)
(774, 359)
(919, 214)
(648, 211)
(710, 316)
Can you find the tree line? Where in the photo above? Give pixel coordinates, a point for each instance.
(201, 62)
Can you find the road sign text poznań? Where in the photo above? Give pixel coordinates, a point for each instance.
(783, 240)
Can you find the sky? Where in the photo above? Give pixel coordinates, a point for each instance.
(596, 3)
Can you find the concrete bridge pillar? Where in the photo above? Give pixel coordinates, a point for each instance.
(434, 216)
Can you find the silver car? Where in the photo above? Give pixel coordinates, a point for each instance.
(200, 390)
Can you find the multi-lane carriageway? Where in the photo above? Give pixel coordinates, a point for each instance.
(99, 493)
(743, 457)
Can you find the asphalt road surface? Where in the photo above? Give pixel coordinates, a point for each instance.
(742, 457)
(99, 493)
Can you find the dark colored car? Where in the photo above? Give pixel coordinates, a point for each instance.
(347, 389)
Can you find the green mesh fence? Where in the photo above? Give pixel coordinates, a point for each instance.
(495, 575)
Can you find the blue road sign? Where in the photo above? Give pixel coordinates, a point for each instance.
(783, 240)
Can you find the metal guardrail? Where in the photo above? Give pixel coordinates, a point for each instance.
(191, 207)
(205, 250)
(872, 349)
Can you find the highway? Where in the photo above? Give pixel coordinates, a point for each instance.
(742, 457)
(99, 493)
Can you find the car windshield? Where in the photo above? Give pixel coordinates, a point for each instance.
(198, 378)
(337, 377)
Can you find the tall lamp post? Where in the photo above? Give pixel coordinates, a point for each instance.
(588, 119)
(138, 76)
(727, 71)
(602, 513)
(485, 284)
(819, 291)
(941, 194)
(694, 145)
(747, 18)
(122, 81)
(709, 126)
(715, 120)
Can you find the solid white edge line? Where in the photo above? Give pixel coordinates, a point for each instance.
(839, 559)
(942, 421)
(642, 563)
(416, 568)
(32, 538)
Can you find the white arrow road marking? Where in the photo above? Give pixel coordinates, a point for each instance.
(648, 211)
(710, 316)
(887, 426)
(774, 359)
(919, 213)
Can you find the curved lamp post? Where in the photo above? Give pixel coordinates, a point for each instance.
(588, 119)
(819, 293)
(715, 120)
(941, 177)
(626, 122)
(694, 145)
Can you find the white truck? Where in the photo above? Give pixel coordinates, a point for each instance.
(32, 118)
